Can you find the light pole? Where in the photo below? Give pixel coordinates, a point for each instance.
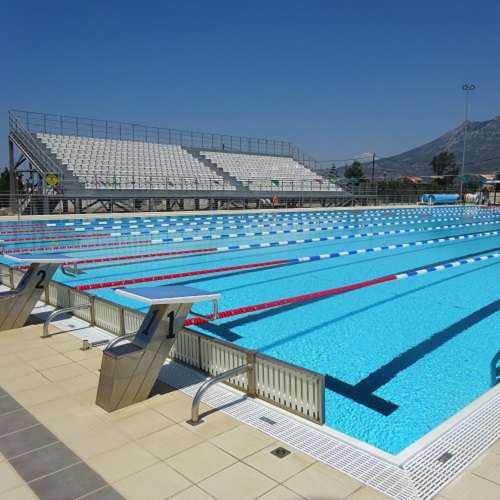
(467, 88)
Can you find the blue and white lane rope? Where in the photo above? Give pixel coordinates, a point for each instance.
(276, 263)
(158, 241)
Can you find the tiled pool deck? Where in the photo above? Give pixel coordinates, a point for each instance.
(55, 443)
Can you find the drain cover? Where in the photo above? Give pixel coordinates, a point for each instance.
(268, 420)
(280, 452)
(445, 457)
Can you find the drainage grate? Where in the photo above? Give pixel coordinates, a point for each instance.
(268, 420)
(280, 452)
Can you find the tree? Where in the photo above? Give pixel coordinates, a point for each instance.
(355, 171)
(4, 181)
(445, 165)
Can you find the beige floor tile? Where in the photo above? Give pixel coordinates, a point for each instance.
(20, 493)
(40, 394)
(23, 383)
(64, 372)
(92, 364)
(91, 442)
(159, 400)
(279, 469)
(38, 352)
(200, 461)
(321, 481)
(213, 425)
(242, 441)
(70, 344)
(51, 361)
(15, 370)
(280, 493)
(8, 359)
(55, 408)
(154, 483)
(237, 482)
(488, 467)
(80, 383)
(79, 355)
(178, 408)
(471, 487)
(122, 462)
(366, 493)
(495, 448)
(170, 441)
(9, 478)
(193, 493)
(143, 423)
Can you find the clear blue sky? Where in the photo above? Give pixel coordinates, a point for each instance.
(338, 78)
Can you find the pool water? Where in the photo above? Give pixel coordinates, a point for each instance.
(399, 358)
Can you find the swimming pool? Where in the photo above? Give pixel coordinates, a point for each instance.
(399, 358)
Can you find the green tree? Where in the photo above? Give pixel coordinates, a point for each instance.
(4, 181)
(445, 166)
(355, 171)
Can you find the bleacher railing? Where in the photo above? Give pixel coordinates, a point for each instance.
(108, 129)
(282, 384)
(21, 134)
(163, 182)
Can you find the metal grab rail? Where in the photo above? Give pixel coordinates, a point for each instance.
(119, 339)
(59, 312)
(195, 408)
(495, 370)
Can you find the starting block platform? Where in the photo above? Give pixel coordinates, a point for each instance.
(129, 371)
(16, 305)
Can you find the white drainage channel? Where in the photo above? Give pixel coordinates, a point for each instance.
(419, 477)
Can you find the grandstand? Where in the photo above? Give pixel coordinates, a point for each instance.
(99, 161)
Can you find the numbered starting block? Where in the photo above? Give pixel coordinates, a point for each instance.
(16, 305)
(129, 371)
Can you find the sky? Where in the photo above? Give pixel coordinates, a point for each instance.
(338, 78)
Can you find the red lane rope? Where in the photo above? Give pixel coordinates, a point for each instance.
(49, 230)
(292, 300)
(147, 279)
(51, 238)
(143, 256)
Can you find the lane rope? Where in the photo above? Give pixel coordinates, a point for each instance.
(281, 262)
(346, 288)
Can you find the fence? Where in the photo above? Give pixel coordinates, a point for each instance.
(284, 385)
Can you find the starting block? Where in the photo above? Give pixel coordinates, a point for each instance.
(129, 371)
(16, 305)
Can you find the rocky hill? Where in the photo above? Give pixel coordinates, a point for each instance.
(483, 151)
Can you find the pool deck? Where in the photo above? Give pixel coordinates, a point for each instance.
(55, 443)
(185, 213)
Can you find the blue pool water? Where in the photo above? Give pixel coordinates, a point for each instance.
(420, 347)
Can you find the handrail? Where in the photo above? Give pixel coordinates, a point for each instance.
(59, 312)
(215, 313)
(495, 370)
(24, 135)
(195, 408)
(119, 339)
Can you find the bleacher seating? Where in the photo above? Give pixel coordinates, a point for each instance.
(264, 172)
(130, 165)
(121, 164)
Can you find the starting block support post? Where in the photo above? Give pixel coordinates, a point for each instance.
(129, 371)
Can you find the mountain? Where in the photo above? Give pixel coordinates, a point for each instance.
(483, 151)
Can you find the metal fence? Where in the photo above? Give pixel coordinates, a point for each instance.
(282, 384)
(48, 123)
